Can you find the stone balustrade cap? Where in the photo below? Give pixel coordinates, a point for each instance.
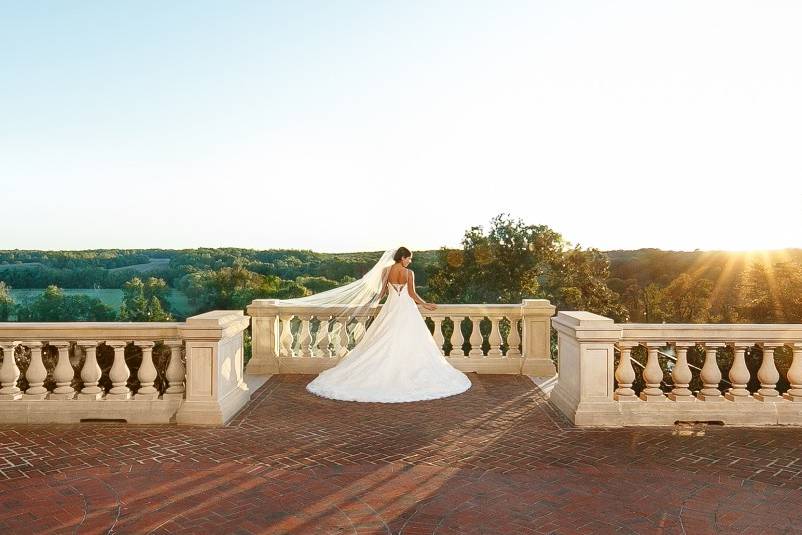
(216, 319)
(580, 318)
(586, 326)
(215, 325)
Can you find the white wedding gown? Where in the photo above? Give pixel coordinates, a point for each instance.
(396, 360)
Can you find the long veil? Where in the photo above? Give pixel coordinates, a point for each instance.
(353, 299)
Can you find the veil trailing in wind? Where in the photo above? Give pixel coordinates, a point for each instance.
(353, 299)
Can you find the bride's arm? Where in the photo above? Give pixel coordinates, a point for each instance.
(414, 294)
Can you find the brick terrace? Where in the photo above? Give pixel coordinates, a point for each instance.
(497, 459)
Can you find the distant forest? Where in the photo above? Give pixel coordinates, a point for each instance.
(506, 262)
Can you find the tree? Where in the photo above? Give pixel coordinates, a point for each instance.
(771, 293)
(234, 288)
(144, 301)
(514, 261)
(687, 300)
(6, 302)
(577, 280)
(54, 305)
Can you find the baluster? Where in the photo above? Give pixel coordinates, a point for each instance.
(36, 373)
(63, 373)
(342, 345)
(438, 332)
(457, 339)
(146, 373)
(739, 376)
(285, 340)
(91, 372)
(653, 374)
(306, 336)
(9, 373)
(513, 339)
(176, 373)
(323, 340)
(795, 374)
(359, 329)
(476, 337)
(625, 374)
(710, 374)
(768, 375)
(119, 372)
(681, 375)
(494, 339)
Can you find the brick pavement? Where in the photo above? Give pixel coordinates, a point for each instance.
(497, 459)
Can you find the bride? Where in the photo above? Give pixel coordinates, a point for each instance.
(397, 358)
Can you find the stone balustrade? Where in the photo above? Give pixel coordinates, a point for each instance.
(190, 373)
(489, 338)
(598, 373)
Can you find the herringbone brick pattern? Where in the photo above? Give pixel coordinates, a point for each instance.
(497, 459)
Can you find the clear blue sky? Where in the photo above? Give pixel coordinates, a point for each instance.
(342, 126)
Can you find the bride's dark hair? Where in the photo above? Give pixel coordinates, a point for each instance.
(401, 252)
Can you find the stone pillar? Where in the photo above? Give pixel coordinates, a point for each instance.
(584, 391)
(91, 372)
(475, 338)
(264, 337)
(175, 372)
(215, 385)
(36, 374)
(119, 372)
(625, 374)
(146, 373)
(739, 375)
(795, 375)
(711, 374)
(653, 374)
(9, 373)
(681, 374)
(536, 328)
(457, 338)
(63, 373)
(768, 375)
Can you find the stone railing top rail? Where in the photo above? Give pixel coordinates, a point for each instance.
(711, 332)
(216, 323)
(587, 326)
(269, 307)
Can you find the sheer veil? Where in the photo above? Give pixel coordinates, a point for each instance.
(353, 299)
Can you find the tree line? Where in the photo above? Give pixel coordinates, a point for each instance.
(508, 261)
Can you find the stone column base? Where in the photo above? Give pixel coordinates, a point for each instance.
(261, 367)
(213, 412)
(538, 367)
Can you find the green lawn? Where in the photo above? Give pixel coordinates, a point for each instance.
(114, 298)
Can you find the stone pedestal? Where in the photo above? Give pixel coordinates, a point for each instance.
(215, 385)
(265, 330)
(536, 341)
(584, 391)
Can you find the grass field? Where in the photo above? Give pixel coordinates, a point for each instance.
(113, 298)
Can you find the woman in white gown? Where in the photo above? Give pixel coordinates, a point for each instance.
(397, 359)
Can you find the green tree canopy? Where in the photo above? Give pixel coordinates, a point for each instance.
(6, 302)
(513, 261)
(145, 301)
(54, 305)
(771, 293)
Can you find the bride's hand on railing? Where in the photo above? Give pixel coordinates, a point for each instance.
(429, 306)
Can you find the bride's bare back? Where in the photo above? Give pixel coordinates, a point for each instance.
(397, 274)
